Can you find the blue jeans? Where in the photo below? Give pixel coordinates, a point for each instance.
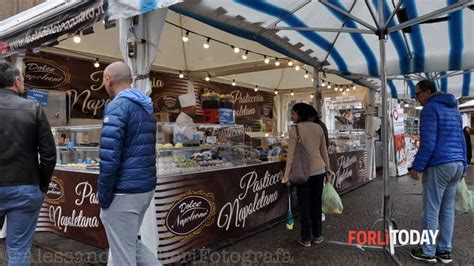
(21, 204)
(440, 184)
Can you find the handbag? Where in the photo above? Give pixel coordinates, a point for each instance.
(300, 170)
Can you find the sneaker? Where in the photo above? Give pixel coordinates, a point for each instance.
(444, 256)
(417, 253)
(305, 244)
(318, 240)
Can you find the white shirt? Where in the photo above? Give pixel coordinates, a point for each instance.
(185, 126)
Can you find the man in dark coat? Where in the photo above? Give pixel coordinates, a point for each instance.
(27, 160)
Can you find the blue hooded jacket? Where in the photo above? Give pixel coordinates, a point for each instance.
(127, 147)
(441, 136)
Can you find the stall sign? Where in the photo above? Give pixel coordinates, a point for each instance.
(71, 208)
(38, 95)
(350, 169)
(215, 206)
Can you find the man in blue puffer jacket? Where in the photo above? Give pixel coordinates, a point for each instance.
(441, 160)
(127, 166)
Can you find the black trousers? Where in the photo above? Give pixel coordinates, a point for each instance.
(309, 203)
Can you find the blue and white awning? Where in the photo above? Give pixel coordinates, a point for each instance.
(341, 35)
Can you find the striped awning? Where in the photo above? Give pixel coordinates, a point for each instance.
(424, 36)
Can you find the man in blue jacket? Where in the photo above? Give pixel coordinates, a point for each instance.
(127, 166)
(440, 161)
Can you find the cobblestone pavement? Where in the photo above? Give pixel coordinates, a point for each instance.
(277, 245)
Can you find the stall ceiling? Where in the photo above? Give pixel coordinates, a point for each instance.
(191, 57)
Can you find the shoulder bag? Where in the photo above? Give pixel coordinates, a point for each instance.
(300, 169)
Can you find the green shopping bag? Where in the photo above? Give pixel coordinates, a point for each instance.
(464, 198)
(331, 202)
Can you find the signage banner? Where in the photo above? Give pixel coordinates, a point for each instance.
(401, 156)
(84, 15)
(193, 210)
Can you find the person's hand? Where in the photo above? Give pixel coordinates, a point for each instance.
(286, 180)
(330, 175)
(415, 175)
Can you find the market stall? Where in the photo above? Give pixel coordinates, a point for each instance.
(210, 191)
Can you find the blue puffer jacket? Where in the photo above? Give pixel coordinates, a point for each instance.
(127, 147)
(441, 135)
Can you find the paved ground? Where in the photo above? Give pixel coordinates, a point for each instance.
(277, 246)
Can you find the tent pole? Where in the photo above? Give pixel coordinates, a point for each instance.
(387, 217)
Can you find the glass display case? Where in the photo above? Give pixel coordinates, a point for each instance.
(269, 146)
(77, 147)
(200, 147)
(347, 140)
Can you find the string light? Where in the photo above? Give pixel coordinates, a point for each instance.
(311, 96)
(76, 38)
(96, 63)
(344, 93)
(186, 36)
(256, 88)
(292, 93)
(245, 56)
(265, 59)
(181, 75)
(335, 89)
(206, 44)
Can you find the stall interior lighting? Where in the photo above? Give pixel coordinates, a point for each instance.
(96, 63)
(245, 56)
(266, 60)
(233, 82)
(77, 38)
(206, 45)
(311, 96)
(306, 75)
(186, 37)
(277, 63)
(290, 63)
(236, 49)
(208, 78)
(256, 88)
(292, 93)
(297, 67)
(181, 75)
(276, 92)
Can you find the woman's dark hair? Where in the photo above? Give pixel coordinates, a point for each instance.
(305, 112)
(315, 116)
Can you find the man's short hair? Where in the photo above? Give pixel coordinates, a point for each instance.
(426, 85)
(8, 74)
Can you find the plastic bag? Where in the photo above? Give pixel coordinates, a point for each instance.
(331, 202)
(464, 198)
